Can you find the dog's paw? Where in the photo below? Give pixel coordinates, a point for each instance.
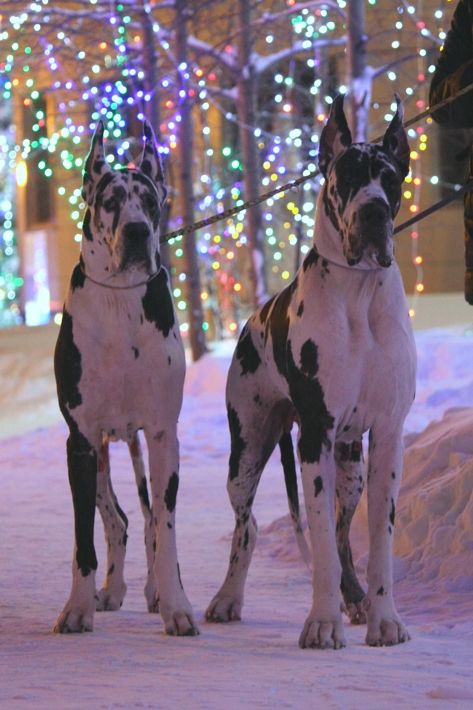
(153, 605)
(181, 623)
(386, 632)
(152, 596)
(74, 621)
(318, 633)
(356, 613)
(108, 599)
(223, 609)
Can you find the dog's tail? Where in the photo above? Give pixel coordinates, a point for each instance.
(290, 478)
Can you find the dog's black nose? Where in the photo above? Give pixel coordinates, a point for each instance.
(374, 214)
(135, 244)
(137, 232)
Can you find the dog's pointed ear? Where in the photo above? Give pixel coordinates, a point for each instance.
(395, 140)
(95, 164)
(335, 136)
(150, 163)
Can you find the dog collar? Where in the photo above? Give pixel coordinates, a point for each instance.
(119, 288)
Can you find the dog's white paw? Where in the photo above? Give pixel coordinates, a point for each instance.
(386, 632)
(178, 616)
(74, 620)
(356, 613)
(110, 599)
(320, 633)
(152, 595)
(180, 623)
(222, 609)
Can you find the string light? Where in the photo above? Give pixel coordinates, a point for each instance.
(110, 79)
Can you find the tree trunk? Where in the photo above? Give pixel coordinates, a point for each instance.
(150, 64)
(359, 80)
(185, 185)
(246, 109)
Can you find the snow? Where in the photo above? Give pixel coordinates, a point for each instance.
(128, 662)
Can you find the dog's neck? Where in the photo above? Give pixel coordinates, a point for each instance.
(328, 242)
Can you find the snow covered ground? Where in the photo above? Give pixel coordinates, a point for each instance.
(129, 663)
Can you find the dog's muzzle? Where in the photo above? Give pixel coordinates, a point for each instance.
(375, 229)
(136, 245)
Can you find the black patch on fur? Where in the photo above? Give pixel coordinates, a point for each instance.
(315, 419)
(136, 352)
(247, 353)
(67, 368)
(171, 492)
(300, 310)
(237, 442)
(265, 310)
(86, 230)
(309, 358)
(82, 468)
(278, 325)
(325, 268)
(77, 278)
(98, 165)
(290, 477)
(103, 183)
(380, 592)
(392, 514)
(311, 259)
(143, 494)
(157, 303)
(110, 570)
(246, 539)
(318, 486)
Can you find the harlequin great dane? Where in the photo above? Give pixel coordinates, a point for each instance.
(119, 365)
(333, 352)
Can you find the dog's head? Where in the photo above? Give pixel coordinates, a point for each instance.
(362, 191)
(124, 206)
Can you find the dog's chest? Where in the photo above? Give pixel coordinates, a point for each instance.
(131, 373)
(353, 337)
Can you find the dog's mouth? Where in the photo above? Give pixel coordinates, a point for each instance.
(371, 235)
(136, 241)
(360, 248)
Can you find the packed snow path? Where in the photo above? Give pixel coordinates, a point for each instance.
(128, 662)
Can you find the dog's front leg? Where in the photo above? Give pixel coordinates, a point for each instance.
(324, 625)
(78, 613)
(174, 606)
(385, 628)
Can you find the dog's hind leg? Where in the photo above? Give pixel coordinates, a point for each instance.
(349, 487)
(151, 588)
(115, 523)
(254, 432)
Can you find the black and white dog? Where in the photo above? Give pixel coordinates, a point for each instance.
(333, 352)
(119, 365)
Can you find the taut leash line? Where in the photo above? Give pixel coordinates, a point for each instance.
(311, 174)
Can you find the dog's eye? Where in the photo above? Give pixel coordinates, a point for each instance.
(350, 178)
(110, 204)
(150, 203)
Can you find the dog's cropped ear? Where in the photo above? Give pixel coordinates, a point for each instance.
(395, 140)
(335, 136)
(95, 165)
(150, 163)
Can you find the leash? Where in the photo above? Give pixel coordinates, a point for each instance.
(118, 288)
(433, 208)
(293, 184)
